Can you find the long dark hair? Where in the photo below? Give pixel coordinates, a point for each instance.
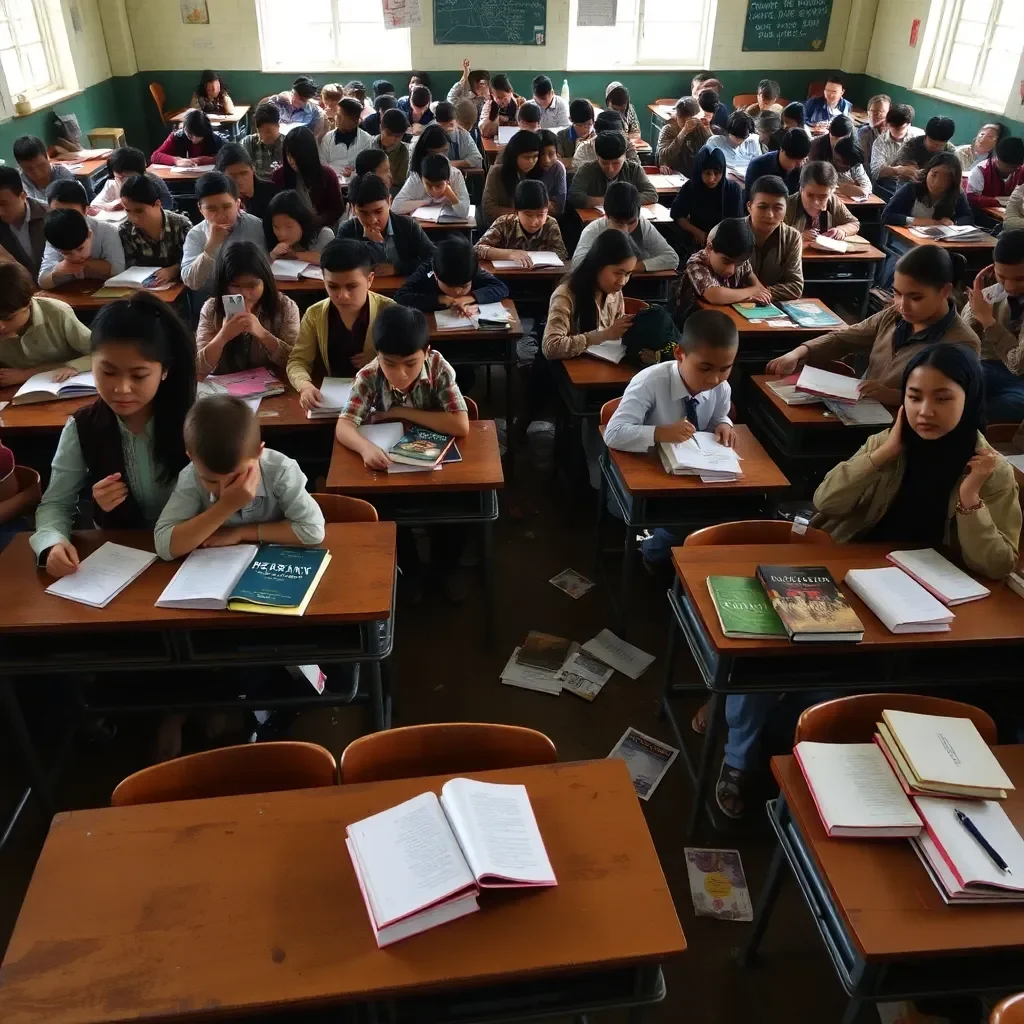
(289, 204)
(300, 145)
(933, 265)
(611, 247)
(946, 206)
(508, 170)
(153, 327)
(205, 79)
(245, 259)
(197, 123)
(433, 137)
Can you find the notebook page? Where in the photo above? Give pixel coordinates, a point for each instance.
(494, 311)
(207, 577)
(622, 656)
(428, 213)
(824, 382)
(288, 270)
(335, 391)
(103, 575)
(938, 574)
(610, 351)
(544, 258)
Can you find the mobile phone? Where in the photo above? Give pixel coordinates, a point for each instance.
(233, 304)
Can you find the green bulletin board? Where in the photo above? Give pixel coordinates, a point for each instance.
(783, 25)
(498, 22)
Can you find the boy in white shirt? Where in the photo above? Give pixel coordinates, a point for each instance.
(339, 148)
(740, 143)
(622, 212)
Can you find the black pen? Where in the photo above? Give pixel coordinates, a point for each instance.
(982, 841)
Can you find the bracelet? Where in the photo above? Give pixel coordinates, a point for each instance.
(964, 510)
(259, 538)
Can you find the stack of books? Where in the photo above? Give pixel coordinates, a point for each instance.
(411, 449)
(538, 663)
(702, 456)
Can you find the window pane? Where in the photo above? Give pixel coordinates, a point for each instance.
(963, 62)
(674, 11)
(605, 47)
(997, 77)
(12, 71)
(976, 10)
(26, 28)
(663, 41)
(6, 39)
(1011, 13)
(971, 33)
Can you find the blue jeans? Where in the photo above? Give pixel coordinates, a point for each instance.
(1004, 393)
(657, 549)
(746, 715)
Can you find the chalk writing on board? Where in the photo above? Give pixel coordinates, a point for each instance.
(780, 25)
(508, 22)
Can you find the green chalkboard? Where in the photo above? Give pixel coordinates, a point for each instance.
(499, 22)
(780, 25)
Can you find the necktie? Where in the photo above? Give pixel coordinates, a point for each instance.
(690, 404)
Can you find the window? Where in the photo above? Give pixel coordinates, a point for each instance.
(978, 48)
(329, 35)
(26, 49)
(646, 32)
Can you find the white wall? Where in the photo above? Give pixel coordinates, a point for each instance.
(891, 57)
(87, 49)
(229, 42)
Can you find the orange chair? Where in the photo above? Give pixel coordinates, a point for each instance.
(756, 531)
(1009, 1010)
(338, 508)
(607, 409)
(634, 305)
(445, 748)
(156, 90)
(230, 771)
(472, 408)
(743, 99)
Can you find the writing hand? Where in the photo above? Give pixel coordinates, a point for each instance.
(675, 433)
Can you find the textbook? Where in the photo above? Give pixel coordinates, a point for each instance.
(752, 311)
(810, 314)
(293, 270)
(101, 576)
(505, 133)
(441, 214)
(41, 387)
(660, 181)
(609, 351)
(492, 316)
(785, 389)
(939, 576)
(540, 258)
(810, 605)
(744, 611)
(419, 446)
(827, 384)
(865, 412)
(424, 862)
(701, 455)
(900, 602)
(544, 651)
(387, 435)
(137, 277)
(256, 383)
(335, 392)
(947, 232)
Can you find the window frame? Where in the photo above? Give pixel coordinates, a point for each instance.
(42, 15)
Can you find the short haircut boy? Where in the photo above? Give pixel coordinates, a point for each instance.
(581, 111)
(331, 93)
(420, 96)
(708, 100)
(382, 87)
(610, 145)
(622, 201)
(455, 261)
(739, 124)
(400, 331)
(529, 112)
(840, 126)
(768, 89)
(395, 121)
(344, 254)
(793, 112)
(221, 431)
(436, 168)
(769, 184)
(127, 160)
(305, 87)
(940, 129)
(364, 189)
(709, 328)
(231, 154)
(10, 180)
(265, 113)
(17, 288)
(214, 183)
(1009, 248)
(609, 121)
(444, 112)
(848, 151)
(385, 102)
(1010, 151)
(356, 88)
(500, 83)
(734, 239)
(465, 113)
(818, 172)
(368, 161)
(67, 190)
(796, 144)
(542, 86)
(65, 229)
(531, 195)
(900, 114)
(28, 147)
(836, 78)
(140, 189)
(351, 108)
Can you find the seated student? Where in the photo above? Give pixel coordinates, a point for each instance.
(918, 150)
(606, 121)
(682, 138)
(474, 86)
(554, 111)
(502, 108)
(382, 87)
(417, 79)
(1013, 217)
(394, 124)
(935, 197)
(381, 105)
(468, 119)
(794, 119)
(989, 136)
(718, 112)
(768, 93)
(331, 96)
(552, 171)
(530, 228)
(831, 103)
(1000, 325)
(528, 117)
(127, 445)
(122, 163)
(299, 106)
(739, 143)
(265, 145)
(922, 313)
(462, 150)
(397, 245)
(336, 332)
(816, 209)
(150, 235)
(706, 198)
(223, 221)
(848, 160)
(36, 334)
(315, 182)
(784, 163)
(581, 128)
(778, 248)
(357, 91)
(77, 247)
(622, 213)
(21, 223)
(211, 95)
(340, 147)
(840, 127)
(234, 489)
(291, 233)
(18, 498)
(416, 107)
(452, 280)
(768, 126)
(887, 146)
(373, 161)
(37, 173)
(591, 181)
(616, 97)
(254, 192)
(194, 144)
(587, 308)
(878, 108)
(990, 180)
(432, 180)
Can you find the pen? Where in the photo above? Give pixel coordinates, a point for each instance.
(982, 841)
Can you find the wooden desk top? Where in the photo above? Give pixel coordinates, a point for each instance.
(383, 285)
(745, 327)
(81, 294)
(996, 212)
(662, 110)
(88, 167)
(448, 225)
(249, 903)
(869, 202)
(987, 242)
(661, 214)
(995, 619)
(798, 415)
(887, 901)
(479, 470)
(362, 551)
(546, 274)
(475, 334)
(592, 372)
(863, 254)
(239, 113)
(645, 476)
(169, 173)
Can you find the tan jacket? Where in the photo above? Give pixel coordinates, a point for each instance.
(1013, 219)
(836, 214)
(998, 341)
(285, 329)
(677, 146)
(855, 495)
(779, 263)
(559, 341)
(53, 334)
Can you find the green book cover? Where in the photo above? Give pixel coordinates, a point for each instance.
(807, 314)
(752, 311)
(743, 608)
(280, 580)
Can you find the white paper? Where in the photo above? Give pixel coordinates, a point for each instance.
(939, 575)
(101, 576)
(452, 320)
(660, 181)
(702, 455)
(540, 258)
(528, 678)
(402, 13)
(789, 394)
(1017, 461)
(827, 244)
(596, 13)
(588, 667)
(646, 758)
(505, 133)
(437, 213)
(902, 604)
(288, 270)
(41, 387)
(780, 322)
(133, 277)
(994, 293)
(609, 351)
(206, 578)
(335, 392)
(622, 656)
(828, 384)
(109, 216)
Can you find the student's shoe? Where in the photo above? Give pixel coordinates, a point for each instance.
(729, 791)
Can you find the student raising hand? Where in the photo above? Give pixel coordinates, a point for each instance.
(109, 492)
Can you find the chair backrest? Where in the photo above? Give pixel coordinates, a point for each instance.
(608, 408)
(339, 508)
(838, 366)
(472, 408)
(229, 771)
(1009, 1010)
(443, 748)
(756, 531)
(634, 305)
(852, 719)
(156, 90)
(815, 89)
(744, 99)
(1001, 433)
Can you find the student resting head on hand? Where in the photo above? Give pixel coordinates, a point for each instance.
(292, 233)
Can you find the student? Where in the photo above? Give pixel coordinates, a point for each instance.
(528, 117)
(622, 213)
(739, 144)
(382, 87)
(921, 314)
(433, 181)
(816, 209)
(299, 105)
(823, 108)
(373, 161)
(848, 160)
(194, 144)
(935, 197)
(316, 183)
(917, 151)
(337, 331)
(36, 334)
(1000, 326)
(502, 108)
(150, 235)
(552, 171)
(416, 107)
(357, 91)
(778, 248)
(878, 109)
(473, 85)
(706, 198)
(223, 221)
(339, 148)
(1013, 218)
(393, 126)
(37, 173)
(887, 146)
(702, 83)
(785, 163)
(581, 127)
(989, 136)
(768, 126)
(397, 245)
(554, 111)
(211, 95)
(77, 247)
(996, 177)
(840, 127)
(591, 181)
(462, 150)
(21, 223)
(530, 228)
(793, 118)
(265, 145)
(254, 192)
(331, 96)
(418, 79)
(606, 121)
(616, 97)
(452, 280)
(381, 105)
(291, 232)
(18, 497)
(682, 138)
(468, 119)
(587, 308)
(122, 163)
(670, 401)
(127, 445)
(768, 93)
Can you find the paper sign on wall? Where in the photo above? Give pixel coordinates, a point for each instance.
(402, 13)
(594, 13)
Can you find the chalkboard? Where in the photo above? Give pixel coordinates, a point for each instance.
(498, 22)
(780, 25)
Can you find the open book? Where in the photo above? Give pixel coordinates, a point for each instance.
(436, 214)
(540, 258)
(41, 387)
(609, 351)
(947, 232)
(292, 270)
(136, 277)
(101, 576)
(423, 863)
(903, 605)
(828, 384)
(660, 181)
(335, 392)
(865, 412)
(390, 433)
(492, 316)
(939, 576)
(258, 382)
(701, 456)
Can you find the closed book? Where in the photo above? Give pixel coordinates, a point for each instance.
(419, 446)
(939, 576)
(810, 605)
(280, 580)
(544, 651)
(901, 603)
(810, 314)
(744, 611)
(752, 311)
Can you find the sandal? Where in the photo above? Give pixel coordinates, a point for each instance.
(729, 791)
(699, 722)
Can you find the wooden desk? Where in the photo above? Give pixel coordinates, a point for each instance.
(166, 895)
(663, 187)
(586, 383)
(92, 174)
(81, 297)
(978, 254)
(464, 227)
(186, 174)
(540, 275)
(996, 212)
(830, 270)
(759, 342)
(233, 123)
(661, 214)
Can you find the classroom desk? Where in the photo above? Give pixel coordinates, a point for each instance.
(92, 174)
(884, 924)
(868, 210)
(233, 124)
(171, 174)
(899, 240)
(831, 270)
(665, 186)
(238, 906)
(984, 645)
(460, 494)
(648, 497)
(81, 297)
(466, 226)
(661, 214)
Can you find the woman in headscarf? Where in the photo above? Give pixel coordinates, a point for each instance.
(705, 199)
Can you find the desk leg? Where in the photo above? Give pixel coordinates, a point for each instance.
(510, 429)
(26, 749)
(487, 563)
(765, 906)
(716, 712)
(377, 698)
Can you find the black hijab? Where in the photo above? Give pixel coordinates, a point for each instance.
(705, 206)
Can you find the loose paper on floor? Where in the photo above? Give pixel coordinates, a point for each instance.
(584, 675)
(527, 678)
(572, 583)
(622, 657)
(717, 884)
(646, 758)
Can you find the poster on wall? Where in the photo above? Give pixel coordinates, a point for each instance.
(786, 25)
(402, 13)
(195, 12)
(594, 13)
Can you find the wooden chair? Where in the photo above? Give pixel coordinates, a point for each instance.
(815, 89)
(441, 749)
(338, 508)
(607, 409)
(852, 719)
(756, 531)
(156, 90)
(1001, 433)
(634, 305)
(743, 99)
(230, 771)
(1009, 1010)
(472, 408)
